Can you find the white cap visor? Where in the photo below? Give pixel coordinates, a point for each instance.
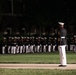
(61, 23)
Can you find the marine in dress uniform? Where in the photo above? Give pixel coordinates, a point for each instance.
(44, 44)
(9, 44)
(38, 44)
(27, 45)
(21, 44)
(4, 45)
(13, 48)
(49, 44)
(62, 44)
(32, 44)
(24, 47)
(18, 45)
(74, 43)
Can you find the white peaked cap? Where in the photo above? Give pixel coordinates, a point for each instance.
(61, 23)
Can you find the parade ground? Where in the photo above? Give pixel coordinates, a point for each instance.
(37, 60)
(37, 66)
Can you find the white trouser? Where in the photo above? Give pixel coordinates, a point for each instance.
(21, 49)
(38, 48)
(75, 48)
(31, 48)
(49, 48)
(17, 48)
(9, 48)
(44, 48)
(71, 47)
(24, 49)
(54, 47)
(27, 49)
(13, 50)
(3, 50)
(62, 53)
(35, 48)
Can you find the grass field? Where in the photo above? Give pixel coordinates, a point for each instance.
(37, 58)
(36, 72)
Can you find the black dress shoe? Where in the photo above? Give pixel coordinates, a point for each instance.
(62, 65)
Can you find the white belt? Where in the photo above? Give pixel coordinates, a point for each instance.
(62, 37)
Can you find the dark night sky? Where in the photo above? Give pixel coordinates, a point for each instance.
(50, 9)
(42, 11)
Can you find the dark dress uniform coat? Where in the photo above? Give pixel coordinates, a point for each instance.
(63, 37)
